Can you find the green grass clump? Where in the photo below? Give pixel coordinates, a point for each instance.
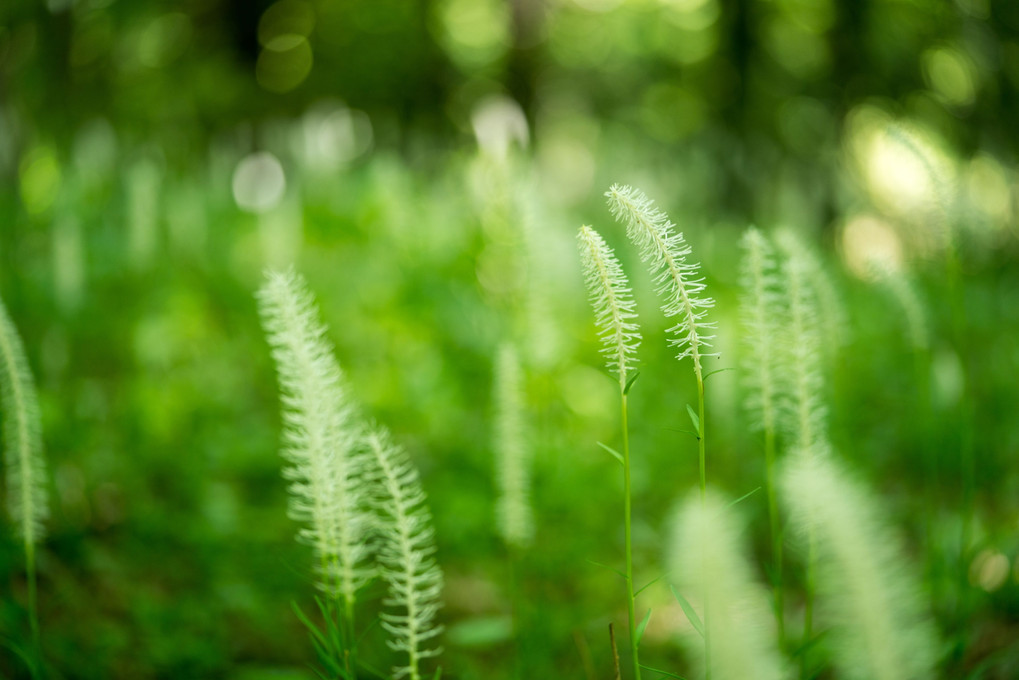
(680, 285)
(356, 491)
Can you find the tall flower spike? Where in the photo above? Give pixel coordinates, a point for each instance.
(679, 282)
(760, 306)
(833, 324)
(902, 289)
(406, 549)
(25, 467)
(804, 411)
(613, 303)
(880, 630)
(709, 559)
(513, 512)
(320, 439)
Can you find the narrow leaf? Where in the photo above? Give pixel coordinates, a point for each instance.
(615, 454)
(694, 419)
(641, 626)
(679, 429)
(665, 673)
(717, 370)
(649, 584)
(629, 382)
(744, 497)
(605, 566)
(691, 615)
(312, 628)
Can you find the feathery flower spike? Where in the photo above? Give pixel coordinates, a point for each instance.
(613, 303)
(321, 437)
(709, 559)
(804, 411)
(513, 511)
(760, 308)
(406, 549)
(880, 630)
(25, 467)
(679, 282)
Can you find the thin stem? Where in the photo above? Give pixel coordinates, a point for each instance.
(33, 615)
(776, 530)
(513, 559)
(704, 489)
(350, 658)
(627, 504)
(700, 427)
(808, 614)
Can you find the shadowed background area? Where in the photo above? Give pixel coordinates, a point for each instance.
(426, 165)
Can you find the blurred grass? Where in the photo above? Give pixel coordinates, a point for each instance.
(129, 269)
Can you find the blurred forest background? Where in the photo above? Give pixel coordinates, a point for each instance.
(426, 163)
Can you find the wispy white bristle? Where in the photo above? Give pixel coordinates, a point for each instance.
(879, 630)
(804, 413)
(679, 282)
(25, 467)
(321, 438)
(832, 322)
(760, 310)
(613, 303)
(902, 290)
(711, 565)
(513, 511)
(406, 555)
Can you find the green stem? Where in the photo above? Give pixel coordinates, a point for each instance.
(808, 614)
(350, 659)
(33, 615)
(704, 490)
(776, 530)
(700, 434)
(627, 504)
(516, 597)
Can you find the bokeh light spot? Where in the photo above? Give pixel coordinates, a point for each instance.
(598, 5)
(475, 33)
(284, 63)
(988, 188)
(499, 121)
(869, 242)
(692, 15)
(287, 17)
(164, 39)
(951, 74)
(989, 570)
(40, 179)
(259, 182)
(332, 135)
(902, 167)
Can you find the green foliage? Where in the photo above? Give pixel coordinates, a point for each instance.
(152, 168)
